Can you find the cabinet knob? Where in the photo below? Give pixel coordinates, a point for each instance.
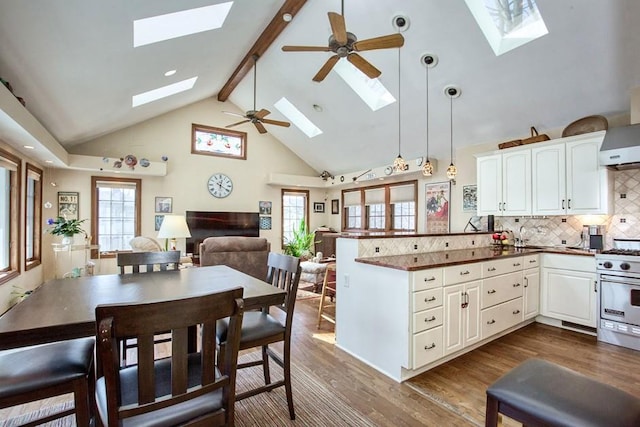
(491, 322)
(429, 347)
(429, 279)
(491, 291)
(516, 311)
(431, 299)
(515, 285)
(431, 319)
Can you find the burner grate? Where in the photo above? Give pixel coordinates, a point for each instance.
(619, 251)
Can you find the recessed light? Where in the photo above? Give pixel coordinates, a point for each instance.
(169, 73)
(29, 147)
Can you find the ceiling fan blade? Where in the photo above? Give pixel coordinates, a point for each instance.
(261, 128)
(382, 42)
(236, 124)
(234, 114)
(338, 28)
(306, 49)
(260, 114)
(276, 122)
(326, 68)
(364, 65)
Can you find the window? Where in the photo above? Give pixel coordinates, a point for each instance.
(295, 208)
(33, 217)
(115, 212)
(390, 207)
(9, 216)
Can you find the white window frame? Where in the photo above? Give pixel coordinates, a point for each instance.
(10, 211)
(292, 215)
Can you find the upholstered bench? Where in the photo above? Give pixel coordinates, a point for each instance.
(539, 393)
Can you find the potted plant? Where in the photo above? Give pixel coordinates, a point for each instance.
(301, 245)
(67, 228)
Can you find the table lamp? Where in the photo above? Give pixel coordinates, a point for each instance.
(173, 227)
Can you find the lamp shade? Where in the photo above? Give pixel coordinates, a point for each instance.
(174, 227)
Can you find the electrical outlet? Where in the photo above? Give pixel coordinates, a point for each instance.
(446, 244)
(415, 247)
(346, 281)
(377, 250)
(473, 242)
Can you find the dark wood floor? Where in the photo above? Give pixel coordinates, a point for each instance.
(451, 394)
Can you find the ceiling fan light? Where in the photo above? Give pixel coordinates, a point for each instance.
(427, 168)
(452, 171)
(399, 164)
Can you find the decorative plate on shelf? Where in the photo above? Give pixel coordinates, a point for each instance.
(586, 125)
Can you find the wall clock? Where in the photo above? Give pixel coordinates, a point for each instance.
(220, 185)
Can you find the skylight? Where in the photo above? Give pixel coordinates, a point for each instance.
(162, 92)
(508, 25)
(296, 117)
(178, 24)
(372, 92)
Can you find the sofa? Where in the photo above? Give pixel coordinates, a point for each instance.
(246, 254)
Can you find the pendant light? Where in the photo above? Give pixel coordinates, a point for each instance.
(399, 163)
(429, 61)
(451, 92)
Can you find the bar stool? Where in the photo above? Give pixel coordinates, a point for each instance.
(328, 289)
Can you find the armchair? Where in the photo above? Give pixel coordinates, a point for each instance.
(246, 254)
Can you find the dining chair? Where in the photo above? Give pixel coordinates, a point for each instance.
(259, 328)
(186, 388)
(49, 370)
(328, 289)
(149, 261)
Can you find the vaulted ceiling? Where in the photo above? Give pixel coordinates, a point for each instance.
(74, 63)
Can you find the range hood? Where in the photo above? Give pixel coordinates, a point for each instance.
(621, 148)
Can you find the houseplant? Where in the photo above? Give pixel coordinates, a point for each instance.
(67, 228)
(301, 245)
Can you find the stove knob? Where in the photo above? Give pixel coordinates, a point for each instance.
(625, 266)
(607, 264)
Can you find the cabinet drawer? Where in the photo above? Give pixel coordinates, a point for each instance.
(427, 319)
(427, 279)
(496, 290)
(427, 299)
(501, 266)
(461, 273)
(531, 261)
(500, 317)
(427, 347)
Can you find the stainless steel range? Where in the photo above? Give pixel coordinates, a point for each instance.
(619, 302)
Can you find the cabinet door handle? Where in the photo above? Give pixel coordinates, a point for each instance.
(516, 264)
(515, 285)
(463, 273)
(491, 269)
(504, 206)
(491, 322)
(429, 347)
(562, 203)
(499, 206)
(431, 319)
(532, 261)
(526, 282)
(569, 204)
(516, 311)
(429, 279)
(595, 286)
(431, 299)
(465, 300)
(491, 291)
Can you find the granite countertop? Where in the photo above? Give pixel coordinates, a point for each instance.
(421, 261)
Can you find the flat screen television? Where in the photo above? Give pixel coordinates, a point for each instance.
(208, 224)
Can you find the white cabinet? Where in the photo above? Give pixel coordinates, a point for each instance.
(427, 316)
(567, 178)
(531, 300)
(461, 316)
(569, 289)
(504, 183)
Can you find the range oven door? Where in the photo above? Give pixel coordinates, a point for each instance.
(620, 299)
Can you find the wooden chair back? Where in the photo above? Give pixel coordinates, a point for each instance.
(168, 260)
(283, 272)
(185, 376)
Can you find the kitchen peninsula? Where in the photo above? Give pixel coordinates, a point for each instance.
(410, 302)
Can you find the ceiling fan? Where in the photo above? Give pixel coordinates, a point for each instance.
(254, 116)
(346, 45)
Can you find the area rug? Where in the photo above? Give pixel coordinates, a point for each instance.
(315, 404)
(304, 294)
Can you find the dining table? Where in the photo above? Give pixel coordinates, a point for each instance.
(62, 309)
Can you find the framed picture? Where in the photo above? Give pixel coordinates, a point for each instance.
(264, 208)
(437, 196)
(469, 198)
(213, 141)
(318, 207)
(265, 223)
(335, 206)
(158, 221)
(68, 204)
(164, 204)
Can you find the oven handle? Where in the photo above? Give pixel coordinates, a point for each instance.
(620, 280)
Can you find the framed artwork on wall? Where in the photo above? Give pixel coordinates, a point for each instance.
(318, 207)
(164, 204)
(469, 198)
(265, 223)
(213, 141)
(158, 222)
(437, 196)
(68, 204)
(335, 206)
(264, 208)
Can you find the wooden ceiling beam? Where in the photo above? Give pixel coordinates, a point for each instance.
(266, 39)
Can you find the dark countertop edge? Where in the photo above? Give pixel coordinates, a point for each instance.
(524, 251)
(356, 235)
